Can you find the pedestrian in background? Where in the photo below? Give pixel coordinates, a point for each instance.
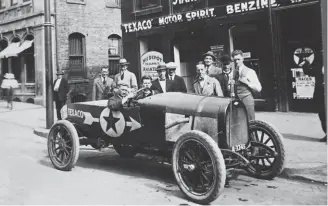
(319, 93)
(103, 86)
(9, 84)
(246, 81)
(204, 84)
(61, 89)
(176, 83)
(126, 76)
(212, 70)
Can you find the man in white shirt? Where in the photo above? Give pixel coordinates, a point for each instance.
(246, 81)
(61, 89)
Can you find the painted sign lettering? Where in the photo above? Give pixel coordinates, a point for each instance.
(249, 6)
(149, 62)
(180, 2)
(138, 26)
(75, 113)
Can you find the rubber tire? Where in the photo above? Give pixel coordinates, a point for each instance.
(75, 145)
(125, 152)
(220, 169)
(278, 139)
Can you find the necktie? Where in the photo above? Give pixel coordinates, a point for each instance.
(122, 76)
(104, 81)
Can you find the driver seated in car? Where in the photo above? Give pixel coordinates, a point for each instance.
(121, 97)
(146, 83)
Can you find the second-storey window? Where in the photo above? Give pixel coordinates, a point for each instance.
(76, 56)
(2, 4)
(145, 4)
(14, 2)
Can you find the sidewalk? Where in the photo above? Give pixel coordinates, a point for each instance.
(306, 157)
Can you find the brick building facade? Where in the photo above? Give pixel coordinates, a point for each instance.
(86, 37)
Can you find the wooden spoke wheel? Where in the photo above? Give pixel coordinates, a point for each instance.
(63, 145)
(264, 164)
(198, 167)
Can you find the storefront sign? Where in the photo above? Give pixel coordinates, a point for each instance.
(149, 62)
(247, 55)
(180, 2)
(138, 26)
(304, 87)
(249, 6)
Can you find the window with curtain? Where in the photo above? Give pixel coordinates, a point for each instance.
(114, 53)
(2, 4)
(76, 55)
(145, 4)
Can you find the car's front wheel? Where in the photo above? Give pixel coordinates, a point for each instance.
(63, 145)
(198, 167)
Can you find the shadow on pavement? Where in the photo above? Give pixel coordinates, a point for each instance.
(301, 138)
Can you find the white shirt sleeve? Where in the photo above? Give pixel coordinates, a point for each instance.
(253, 80)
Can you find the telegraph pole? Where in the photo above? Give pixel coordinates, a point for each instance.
(48, 69)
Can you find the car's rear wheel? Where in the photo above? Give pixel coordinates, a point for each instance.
(125, 151)
(63, 145)
(198, 167)
(264, 164)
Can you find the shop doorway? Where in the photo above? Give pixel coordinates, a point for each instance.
(300, 39)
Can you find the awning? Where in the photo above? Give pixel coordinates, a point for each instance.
(9, 50)
(14, 49)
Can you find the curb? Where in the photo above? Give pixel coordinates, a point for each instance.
(287, 173)
(41, 132)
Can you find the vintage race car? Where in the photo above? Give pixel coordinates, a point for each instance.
(201, 136)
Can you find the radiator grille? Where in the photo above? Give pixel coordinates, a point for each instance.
(236, 126)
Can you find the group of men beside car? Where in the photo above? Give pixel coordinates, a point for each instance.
(234, 78)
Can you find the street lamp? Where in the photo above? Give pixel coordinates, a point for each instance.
(48, 65)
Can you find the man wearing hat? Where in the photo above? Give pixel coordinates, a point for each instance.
(226, 77)
(102, 85)
(161, 84)
(206, 85)
(61, 89)
(177, 83)
(125, 75)
(209, 59)
(117, 101)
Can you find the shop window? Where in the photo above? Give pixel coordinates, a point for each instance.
(2, 4)
(146, 4)
(76, 56)
(114, 53)
(13, 2)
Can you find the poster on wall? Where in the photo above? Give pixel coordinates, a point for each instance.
(218, 51)
(149, 62)
(303, 85)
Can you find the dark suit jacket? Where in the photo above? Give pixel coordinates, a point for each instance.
(100, 90)
(155, 85)
(177, 85)
(63, 89)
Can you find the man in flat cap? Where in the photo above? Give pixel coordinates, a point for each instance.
(212, 70)
(117, 101)
(160, 84)
(177, 83)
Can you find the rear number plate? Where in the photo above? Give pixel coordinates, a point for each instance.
(238, 147)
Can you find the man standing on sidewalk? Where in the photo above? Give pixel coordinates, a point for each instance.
(102, 86)
(61, 89)
(246, 81)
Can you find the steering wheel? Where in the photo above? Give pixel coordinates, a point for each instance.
(139, 94)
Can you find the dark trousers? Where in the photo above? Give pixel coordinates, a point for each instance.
(249, 104)
(322, 117)
(59, 105)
